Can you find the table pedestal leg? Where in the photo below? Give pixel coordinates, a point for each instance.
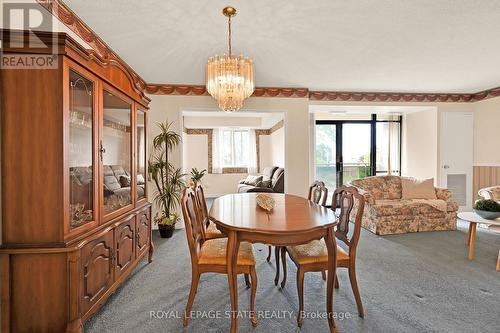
(332, 266)
(472, 239)
(231, 259)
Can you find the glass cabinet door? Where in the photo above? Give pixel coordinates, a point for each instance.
(116, 153)
(80, 158)
(141, 154)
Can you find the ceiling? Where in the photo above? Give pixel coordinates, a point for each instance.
(365, 45)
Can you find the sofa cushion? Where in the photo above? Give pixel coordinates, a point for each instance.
(118, 171)
(106, 169)
(381, 187)
(410, 207)
(140, 179)
(276, 175)
(268, 172)
(111, 183)
(253, 180)
(412, 188)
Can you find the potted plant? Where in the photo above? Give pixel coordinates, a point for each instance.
(196, 176)
(168, 180)
(487, 209)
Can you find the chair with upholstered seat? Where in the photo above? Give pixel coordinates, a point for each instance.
(209, 256)
(209, 229)
(318, 193)
(313, 257)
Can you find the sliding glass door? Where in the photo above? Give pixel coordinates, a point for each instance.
(355, 159)
(326, 155)
(351, 149)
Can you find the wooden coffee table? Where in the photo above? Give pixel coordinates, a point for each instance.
(473, 220)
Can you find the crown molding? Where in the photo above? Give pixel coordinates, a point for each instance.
(60, 10)
(388, 97)
(343, 96)
(199, 90)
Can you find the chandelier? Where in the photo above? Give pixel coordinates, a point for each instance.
(230, 78)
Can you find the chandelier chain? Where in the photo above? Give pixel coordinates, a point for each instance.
(229, 28)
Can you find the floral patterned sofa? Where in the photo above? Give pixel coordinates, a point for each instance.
(387, 213)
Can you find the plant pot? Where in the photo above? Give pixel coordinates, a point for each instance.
(487, 215)
(166, 230)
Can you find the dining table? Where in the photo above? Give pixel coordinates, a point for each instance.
(293, 220)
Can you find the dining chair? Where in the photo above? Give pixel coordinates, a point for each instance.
(209, 256)
(318, 193)
(313, 257)
(209, 229)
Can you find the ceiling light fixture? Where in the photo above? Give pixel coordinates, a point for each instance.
(230, 79)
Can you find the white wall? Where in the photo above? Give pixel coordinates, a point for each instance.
(277, 145)
(487, 132)
(420, 145)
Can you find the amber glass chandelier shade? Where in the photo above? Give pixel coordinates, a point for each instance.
(230, 79)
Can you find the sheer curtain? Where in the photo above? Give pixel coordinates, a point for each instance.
(252, 152)
(217, 150)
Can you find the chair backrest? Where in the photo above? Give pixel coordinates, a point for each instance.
(345, 198)
(318, 193)
(203, 209)
(192, 223)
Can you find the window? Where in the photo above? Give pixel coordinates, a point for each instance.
(234, 148)
(356, 147)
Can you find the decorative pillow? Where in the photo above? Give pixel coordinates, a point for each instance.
(264, 183)
(253, 180)
(140, 179)
(418, 189)
(125, 181)
(111, 183)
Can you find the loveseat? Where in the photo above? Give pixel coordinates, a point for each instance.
(116, 185)
(386, 212)
(272, 179)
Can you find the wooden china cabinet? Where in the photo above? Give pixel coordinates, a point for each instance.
(75, 218)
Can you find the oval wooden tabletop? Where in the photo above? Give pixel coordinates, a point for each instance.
(290, 214)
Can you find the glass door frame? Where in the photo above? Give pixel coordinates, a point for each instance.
(109, 216)
(68, 66)
(373, 143)
(136, 201)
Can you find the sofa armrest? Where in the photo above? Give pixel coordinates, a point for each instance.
(368, 197)
(443, 193)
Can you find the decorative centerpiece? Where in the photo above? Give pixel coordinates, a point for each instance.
(265, 202)
(487, 209)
